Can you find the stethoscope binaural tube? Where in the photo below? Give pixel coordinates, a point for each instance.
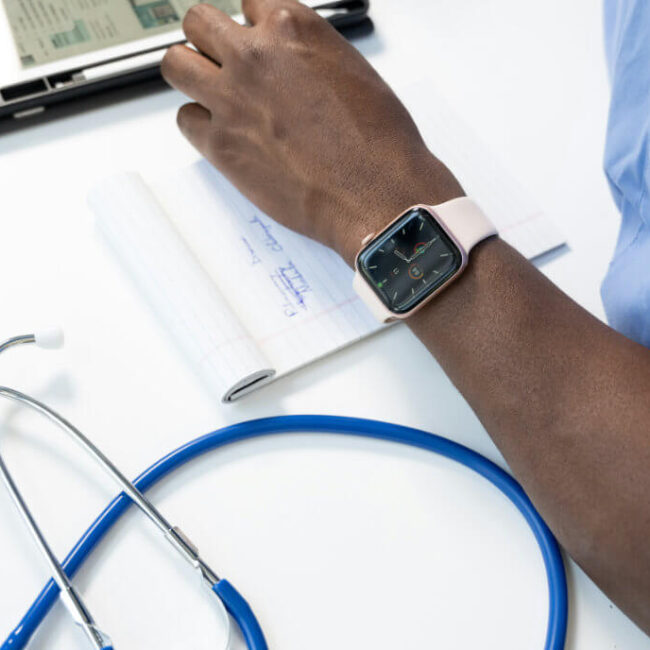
(229, 601)
(239, 609)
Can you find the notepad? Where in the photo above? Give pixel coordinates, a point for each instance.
(248, 300)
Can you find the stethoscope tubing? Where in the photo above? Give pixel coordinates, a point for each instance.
(234, 602)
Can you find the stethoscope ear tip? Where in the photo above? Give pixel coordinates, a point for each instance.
(49, 339)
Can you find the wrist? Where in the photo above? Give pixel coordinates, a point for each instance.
(371, 211)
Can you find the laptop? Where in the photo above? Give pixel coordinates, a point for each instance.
(60, 51)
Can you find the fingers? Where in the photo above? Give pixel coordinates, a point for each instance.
(190, 72)
(256, 11)
(212, 31)
(194, 122)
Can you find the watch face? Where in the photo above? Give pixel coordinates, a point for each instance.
(410, 261)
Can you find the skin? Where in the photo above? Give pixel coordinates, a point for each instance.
(300, 123)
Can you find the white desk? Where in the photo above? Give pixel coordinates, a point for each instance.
(336, 543)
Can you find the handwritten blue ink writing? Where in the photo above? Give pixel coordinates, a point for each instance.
(267, 236)
(287, 307)
(295, 283)
(254, 257)
(293, 286)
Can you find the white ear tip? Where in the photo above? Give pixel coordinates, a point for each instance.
(49, 339)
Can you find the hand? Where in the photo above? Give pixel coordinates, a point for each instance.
(299, 121)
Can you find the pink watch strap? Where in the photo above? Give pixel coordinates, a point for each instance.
(466, 221)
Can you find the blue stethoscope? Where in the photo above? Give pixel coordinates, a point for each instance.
(60, 584)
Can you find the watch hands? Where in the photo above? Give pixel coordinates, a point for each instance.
(422, 250)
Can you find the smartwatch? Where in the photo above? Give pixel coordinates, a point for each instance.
(417, 256)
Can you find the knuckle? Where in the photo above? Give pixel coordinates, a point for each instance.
(286, 19)
(252, 53)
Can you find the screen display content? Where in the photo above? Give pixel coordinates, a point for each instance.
(56, 29)
(410, 261)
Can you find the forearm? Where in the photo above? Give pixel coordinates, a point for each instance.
(298, 120)
(566, 399)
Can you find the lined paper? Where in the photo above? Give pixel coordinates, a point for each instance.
(248, 300)
(293, 295)
(178, 290)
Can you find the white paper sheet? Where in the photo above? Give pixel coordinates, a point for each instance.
(293, 295)
(176, 287)
(249, 300)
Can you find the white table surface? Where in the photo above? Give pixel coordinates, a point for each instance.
(336, 543)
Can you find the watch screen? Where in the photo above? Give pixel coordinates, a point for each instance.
(411, 260)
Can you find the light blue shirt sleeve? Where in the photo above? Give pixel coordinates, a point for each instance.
(626, 289)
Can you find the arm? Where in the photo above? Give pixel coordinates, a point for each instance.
(300, 122)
